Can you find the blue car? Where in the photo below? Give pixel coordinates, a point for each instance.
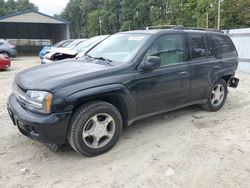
(7, 48)
(47, 49)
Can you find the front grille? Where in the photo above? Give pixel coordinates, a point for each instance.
(19, 94)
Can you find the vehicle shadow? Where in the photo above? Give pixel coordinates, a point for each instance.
(141, 127)
(5, 70)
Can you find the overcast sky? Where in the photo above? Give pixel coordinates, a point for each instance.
(50, 7)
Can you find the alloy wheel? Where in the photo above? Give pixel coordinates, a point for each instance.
(98, 131)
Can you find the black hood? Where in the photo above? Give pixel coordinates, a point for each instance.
(52, 76)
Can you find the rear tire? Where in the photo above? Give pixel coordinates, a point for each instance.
(217, 96)
(94, 128)
(5, 54)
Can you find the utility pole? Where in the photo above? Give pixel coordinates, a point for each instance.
(219, 13)
(100, 23)
(207, 20)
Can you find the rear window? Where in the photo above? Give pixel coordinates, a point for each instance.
(224, 46)
(211, 51)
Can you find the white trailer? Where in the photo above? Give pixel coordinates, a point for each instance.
(241, 39)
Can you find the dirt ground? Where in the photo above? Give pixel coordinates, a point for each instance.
(186, 148)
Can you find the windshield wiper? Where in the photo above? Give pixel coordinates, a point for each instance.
(108, 61)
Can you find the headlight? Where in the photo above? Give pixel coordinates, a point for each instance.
(39, 101)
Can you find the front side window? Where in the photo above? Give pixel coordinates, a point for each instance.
(170, 48)
(119, 48)
(198, 47)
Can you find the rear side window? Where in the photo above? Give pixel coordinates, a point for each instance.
(211, 51)
(224, 46)
(198, 47)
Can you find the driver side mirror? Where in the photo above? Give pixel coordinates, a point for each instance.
(152, 62)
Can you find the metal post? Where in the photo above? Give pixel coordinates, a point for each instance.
(100, 22)
(219, 11)
(207, 20)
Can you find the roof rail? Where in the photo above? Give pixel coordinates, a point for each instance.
(198, 29)
(181, 28)
(162, 27)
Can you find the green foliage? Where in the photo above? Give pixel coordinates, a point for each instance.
(235, 13)
(122, 15)
(12, 6)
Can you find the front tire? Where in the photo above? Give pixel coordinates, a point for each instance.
(95, 128)
(217, 96)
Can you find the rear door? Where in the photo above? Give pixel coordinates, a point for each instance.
(203, 63)
(167, 86)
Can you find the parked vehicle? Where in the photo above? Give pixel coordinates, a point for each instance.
(4, 62)
(88, 45)
(48, 49)
(128, 77)
(62, 53)
(7, 49)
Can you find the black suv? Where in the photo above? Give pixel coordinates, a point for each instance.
(129, 76)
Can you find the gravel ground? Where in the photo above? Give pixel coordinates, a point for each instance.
(185, 148)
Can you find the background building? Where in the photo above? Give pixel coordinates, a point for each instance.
(31, 30)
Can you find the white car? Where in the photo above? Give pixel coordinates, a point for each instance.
(58, 53)
(77, 51)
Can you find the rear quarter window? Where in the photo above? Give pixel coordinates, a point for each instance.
(224, 46)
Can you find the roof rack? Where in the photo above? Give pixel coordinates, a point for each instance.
(181, 28)
(162, 27)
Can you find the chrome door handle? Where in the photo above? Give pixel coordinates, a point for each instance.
(216, 67)
(183, 73)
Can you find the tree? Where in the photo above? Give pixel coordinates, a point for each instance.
(235, 16)
(122, 15)
(3, 8)
(73, 13)
(23, 5)
(12, 6)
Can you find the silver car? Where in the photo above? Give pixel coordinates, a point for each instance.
(7, 49)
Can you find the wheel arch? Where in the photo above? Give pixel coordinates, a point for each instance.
(3, 51)
(117, 95)
(224, 75)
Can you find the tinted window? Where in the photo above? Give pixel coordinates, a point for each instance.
(224, 46)
(210, 47)
(198, 48)
(170, 48)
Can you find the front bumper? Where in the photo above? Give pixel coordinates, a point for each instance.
(50, 128)
(5, 64)
(13, 53)
(46, 61)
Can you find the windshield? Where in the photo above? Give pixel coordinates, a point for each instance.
(119, 47)
(73, 44)
(65, 44)
(83, 46)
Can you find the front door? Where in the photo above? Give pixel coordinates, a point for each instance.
(167, 86)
